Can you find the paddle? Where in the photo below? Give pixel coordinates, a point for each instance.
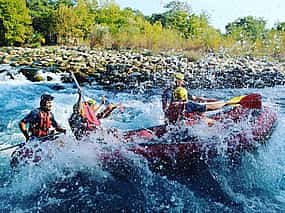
(118, 106)
(22, 144)
(252, 101)
(236, 99)
(91, 115)
(11, 147)
(77, 84)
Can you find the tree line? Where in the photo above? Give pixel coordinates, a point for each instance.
(105, 24)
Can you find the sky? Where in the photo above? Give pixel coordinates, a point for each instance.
(221, 12)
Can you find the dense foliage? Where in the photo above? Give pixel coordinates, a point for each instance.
(105, 24)
(15, 22)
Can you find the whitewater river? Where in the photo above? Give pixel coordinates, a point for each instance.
(75, 180)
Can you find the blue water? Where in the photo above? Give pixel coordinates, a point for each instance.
(75, 180)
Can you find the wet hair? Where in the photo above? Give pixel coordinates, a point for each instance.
(45, 98)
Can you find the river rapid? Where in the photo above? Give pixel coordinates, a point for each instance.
(75, 180)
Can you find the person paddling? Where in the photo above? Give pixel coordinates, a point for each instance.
(182, 109)
(86, 116)
(167, 96)
(40, 120)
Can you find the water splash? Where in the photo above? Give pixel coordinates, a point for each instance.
(76, 178)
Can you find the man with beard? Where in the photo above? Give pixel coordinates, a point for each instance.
(40, 120)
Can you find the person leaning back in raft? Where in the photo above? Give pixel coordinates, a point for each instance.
(40, 120)
(182, 109)
(167, 96)
(86, 116)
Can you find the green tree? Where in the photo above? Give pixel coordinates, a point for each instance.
(84, 11)
(247, 28)
(177, 11)
(68, 3)
(15, 22)
(112, 16)
(42, 13)
(66, 24)
(280, 26)
(180, 18)
(157, 17)
(175, 6)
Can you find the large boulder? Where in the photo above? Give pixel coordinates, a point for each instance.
(32, 73)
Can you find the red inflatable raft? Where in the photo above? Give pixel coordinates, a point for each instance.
(242, 128)
(177, 147)
(255, 126)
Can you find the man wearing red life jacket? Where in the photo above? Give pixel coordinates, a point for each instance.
(182, 109)
(40, 120)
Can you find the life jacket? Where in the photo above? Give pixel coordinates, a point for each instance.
(91, 118)
(176, 112)
(41, 128)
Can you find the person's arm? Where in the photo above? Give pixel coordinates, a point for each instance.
(77, 105)
(215, 105)
(32, 116)
(79, 97)
(103, 101)
(166, 99)
(192, 107)
(60, 129)
(202, 99)
(57, 127)
(24, 130)
(107, 111)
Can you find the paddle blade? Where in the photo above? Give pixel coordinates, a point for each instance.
(251, 101)
(235, 100)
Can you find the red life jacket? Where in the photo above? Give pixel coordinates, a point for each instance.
(176, 112)
(92, 120)
(42, 127)
(191, 118)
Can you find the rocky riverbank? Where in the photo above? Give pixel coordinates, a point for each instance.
(127, 69)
